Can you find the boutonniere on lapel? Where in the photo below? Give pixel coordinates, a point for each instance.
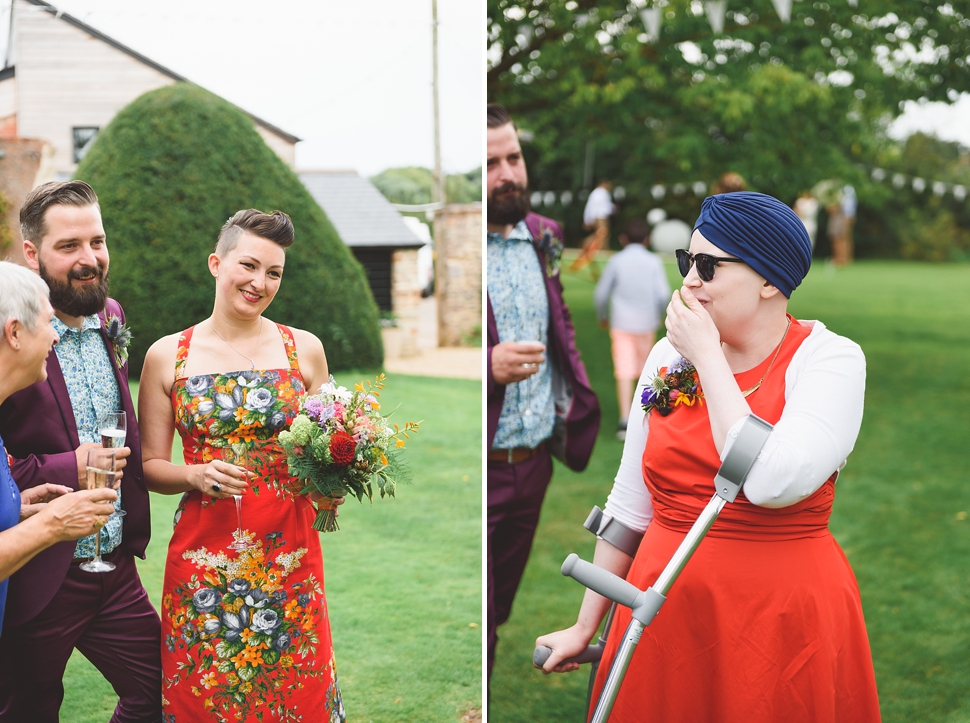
(551, 246)
(672, 386)
(120, 336)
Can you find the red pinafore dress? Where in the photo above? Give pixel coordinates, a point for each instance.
(246, 635)
(765, 623)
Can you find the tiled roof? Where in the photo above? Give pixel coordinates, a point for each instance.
(359, 212)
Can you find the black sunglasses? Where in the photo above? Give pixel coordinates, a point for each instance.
(705, 263)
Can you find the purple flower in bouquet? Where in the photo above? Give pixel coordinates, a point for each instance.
(649, 396)
(314, 408)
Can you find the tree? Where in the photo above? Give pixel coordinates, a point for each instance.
(783, 104)
(415, 186)
(169, 170)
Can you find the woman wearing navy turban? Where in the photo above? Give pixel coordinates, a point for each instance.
(765, 622)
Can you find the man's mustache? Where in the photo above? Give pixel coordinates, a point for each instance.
(85, 272)
(508, 188)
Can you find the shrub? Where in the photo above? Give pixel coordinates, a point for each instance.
(169, 170)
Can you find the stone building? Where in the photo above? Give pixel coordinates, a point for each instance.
(382, 243)
(62, 82)
(458, 272)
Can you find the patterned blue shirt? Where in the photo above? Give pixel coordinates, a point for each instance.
(517, 291)
(93, 390)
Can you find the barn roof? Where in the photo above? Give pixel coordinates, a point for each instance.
(359, 212)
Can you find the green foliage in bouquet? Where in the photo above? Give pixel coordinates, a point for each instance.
(340, 444)
(169, 170)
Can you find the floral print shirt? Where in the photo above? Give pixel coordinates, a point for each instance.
(93, 389)
(517, 292)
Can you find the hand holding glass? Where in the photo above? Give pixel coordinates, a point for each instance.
(239, 458)
(100, 473)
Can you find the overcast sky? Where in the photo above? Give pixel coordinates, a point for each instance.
(352, 79)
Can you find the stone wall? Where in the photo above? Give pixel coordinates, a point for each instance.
(402, 340)
(25, 163)
(458, 272)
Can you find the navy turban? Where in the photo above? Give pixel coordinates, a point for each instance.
(761, 231)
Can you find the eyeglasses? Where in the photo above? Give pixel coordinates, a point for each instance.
(706, 264)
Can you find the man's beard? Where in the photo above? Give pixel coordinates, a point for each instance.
(82, 301)
(508, 208)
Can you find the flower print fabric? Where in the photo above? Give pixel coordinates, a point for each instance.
(246, 634)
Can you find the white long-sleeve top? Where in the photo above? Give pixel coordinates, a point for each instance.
(824, 394)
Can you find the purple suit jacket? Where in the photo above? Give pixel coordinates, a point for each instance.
(578, 411)
(37, 425)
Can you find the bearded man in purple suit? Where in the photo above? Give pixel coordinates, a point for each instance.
(540, 403)
(53, 606)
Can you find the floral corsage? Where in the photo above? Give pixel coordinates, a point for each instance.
(672, 386)
(551, 247)
(120, 336)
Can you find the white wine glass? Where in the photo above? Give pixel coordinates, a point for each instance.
(113, 427)
(238, 456)
(100, 473)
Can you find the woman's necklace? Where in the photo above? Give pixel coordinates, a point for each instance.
(757, 386)
(252, 359)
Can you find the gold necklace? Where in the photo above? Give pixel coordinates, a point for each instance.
(757, 386)
(252, 360)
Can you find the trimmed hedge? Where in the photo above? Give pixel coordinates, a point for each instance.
(169, 170)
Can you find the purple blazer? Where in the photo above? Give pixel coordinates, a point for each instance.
(37, 425)
(577, 409)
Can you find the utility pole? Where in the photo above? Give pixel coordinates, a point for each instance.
(9, 50)
(439, 179)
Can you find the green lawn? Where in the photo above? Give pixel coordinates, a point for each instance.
(901, 511)
(403, 577)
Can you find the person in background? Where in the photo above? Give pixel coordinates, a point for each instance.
(596, 218)
(848, 205)
(526, 317)
(729, 182)
(630, 298)
(47, 513)
(806, 208)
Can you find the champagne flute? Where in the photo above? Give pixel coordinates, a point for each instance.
(113, 428)
(239, 457)
(100, 473)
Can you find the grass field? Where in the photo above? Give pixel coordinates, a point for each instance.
(901, 511)
(403, 577)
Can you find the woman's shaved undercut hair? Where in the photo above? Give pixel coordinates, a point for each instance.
(275, 226)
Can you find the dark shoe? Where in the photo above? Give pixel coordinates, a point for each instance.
(621, 431)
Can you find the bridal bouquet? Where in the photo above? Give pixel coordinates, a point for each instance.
(340, 444)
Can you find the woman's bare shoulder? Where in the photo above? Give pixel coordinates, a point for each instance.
(306, 342)
(313, 359)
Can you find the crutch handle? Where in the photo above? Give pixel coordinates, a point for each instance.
(601, 581)
(590, 655)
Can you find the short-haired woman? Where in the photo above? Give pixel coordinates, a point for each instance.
(246, 631)
(47, 513)
(765, 622)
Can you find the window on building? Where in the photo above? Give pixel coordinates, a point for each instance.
(83, 138)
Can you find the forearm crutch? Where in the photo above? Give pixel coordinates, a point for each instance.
(645, 604)
(626, 540)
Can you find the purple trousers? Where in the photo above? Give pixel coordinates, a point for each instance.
(515, 494)
(109, 618)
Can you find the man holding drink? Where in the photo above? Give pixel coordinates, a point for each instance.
(51, 428)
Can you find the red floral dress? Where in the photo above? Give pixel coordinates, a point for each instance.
(246, 634)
